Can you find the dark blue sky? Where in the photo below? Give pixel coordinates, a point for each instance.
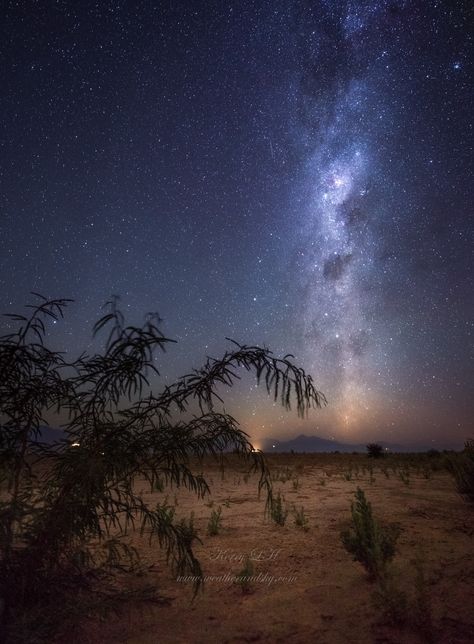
(294, 174)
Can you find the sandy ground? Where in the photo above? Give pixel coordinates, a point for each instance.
(306, 587)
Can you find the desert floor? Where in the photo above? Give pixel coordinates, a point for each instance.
(306, 587)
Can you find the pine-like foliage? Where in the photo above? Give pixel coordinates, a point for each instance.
(367, 541)
(55, 501)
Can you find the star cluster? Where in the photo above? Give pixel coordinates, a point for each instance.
(291, 174)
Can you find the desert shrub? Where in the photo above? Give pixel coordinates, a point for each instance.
(282, 475)
(461, 467)
(67, 509)
(367, 540)
(214, 524)
(404, 476)
(244, 577)
(427, 472)
(301, 520)
(374, 450)
(296, 484)
(278, 512)
(371, 475)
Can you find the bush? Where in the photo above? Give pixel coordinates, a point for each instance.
(245, 576)
(461, 467)
(58, 499)
(301, 520)
(374, 450)
(277, 512)
(214, 524)
(367, 541)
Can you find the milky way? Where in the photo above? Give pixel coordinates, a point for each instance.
(340, 250)
(291, 174)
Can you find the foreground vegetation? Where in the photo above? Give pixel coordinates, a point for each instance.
(67, 509)
(77, 515)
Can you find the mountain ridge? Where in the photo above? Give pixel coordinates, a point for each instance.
(312, 443)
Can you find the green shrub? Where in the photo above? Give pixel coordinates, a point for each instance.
(277, 512)
(214, 524)
(404, 476)
(367, 541)
(244, 577)
(296, 484)
(301, 520)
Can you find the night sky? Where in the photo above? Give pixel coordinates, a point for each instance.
(297, 175)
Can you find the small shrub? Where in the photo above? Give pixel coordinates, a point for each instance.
(296, 484)
(158, 485)
(374, 450)
(427, 472)
(301, 520)
(244, 577)
(282, 475)
(371, 473)
(277, 512)
(214, 524)
(405, 476)
(367, 541)
(461, 467)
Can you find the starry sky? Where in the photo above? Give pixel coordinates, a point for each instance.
(297, 175)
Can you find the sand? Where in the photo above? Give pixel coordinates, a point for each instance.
(305, 586)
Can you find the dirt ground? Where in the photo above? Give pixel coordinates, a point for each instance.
(305, 587)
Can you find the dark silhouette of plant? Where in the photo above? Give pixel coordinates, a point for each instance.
(369, 543)
(278, 513)
(57, 499)
(374, 450)
(461, 467)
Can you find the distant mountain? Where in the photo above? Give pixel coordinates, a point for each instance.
(304, 443)
(50, 435)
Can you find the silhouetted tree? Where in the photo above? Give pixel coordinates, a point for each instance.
(57, 499)
(374, 450)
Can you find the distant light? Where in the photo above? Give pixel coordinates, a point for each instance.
(75, 444)
(457, 65)
(273, 445)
